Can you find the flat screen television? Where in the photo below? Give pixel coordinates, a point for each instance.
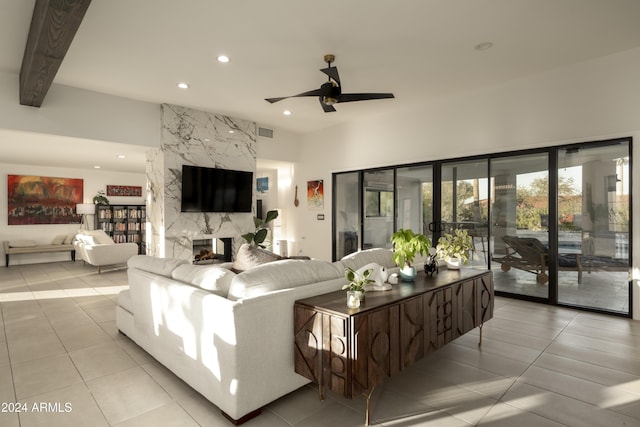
(216, 190)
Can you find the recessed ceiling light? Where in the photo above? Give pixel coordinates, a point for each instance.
(483, 46)
(232, 131)
(121, 156)
(286, 112)
(223, 58)
(207, 140)
(96, 167)
(183, 85)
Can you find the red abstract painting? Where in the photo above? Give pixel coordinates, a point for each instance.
(43, 200)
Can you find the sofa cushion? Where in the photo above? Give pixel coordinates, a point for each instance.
(249, 256)
(69, 239)
(124, 300)
(100, 237)
(59, 239)
(22, 243)
(281, 274)
(380, 256)
(161, 266)
(210, 278)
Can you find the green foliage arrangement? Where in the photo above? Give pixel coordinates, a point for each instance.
(357, 282)
(100, 198)
(456, 245)
(406, 245)
(257, 237)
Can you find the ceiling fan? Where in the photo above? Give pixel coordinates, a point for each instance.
(330, 93)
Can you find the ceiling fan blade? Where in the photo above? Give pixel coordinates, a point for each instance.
(332, 72)
(325, 107)
(350, 97)
(315, 92)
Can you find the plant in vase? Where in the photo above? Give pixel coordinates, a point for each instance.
(406, 245)
(356, 285)
(455, 248)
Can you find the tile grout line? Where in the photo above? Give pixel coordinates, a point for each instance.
(499, 400)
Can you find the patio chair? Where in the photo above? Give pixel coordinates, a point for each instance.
(529, 254)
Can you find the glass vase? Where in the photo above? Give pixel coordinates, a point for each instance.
(354, 298)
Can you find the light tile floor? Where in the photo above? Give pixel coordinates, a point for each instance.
(538, 366)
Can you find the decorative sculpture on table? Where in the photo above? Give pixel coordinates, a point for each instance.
(431, 266)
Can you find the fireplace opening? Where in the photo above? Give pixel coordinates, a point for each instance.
(211, 251)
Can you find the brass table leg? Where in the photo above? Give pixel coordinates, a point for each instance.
(368, 410)
(320, 394)
(480, 341)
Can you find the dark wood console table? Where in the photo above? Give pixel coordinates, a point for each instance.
(352, 350)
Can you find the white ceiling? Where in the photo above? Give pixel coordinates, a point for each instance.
(417, 49)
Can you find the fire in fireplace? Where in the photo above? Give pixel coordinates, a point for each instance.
(209, 251)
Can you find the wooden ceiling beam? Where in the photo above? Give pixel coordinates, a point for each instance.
(53, 25)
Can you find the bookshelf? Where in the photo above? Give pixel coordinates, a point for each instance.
(123, 223)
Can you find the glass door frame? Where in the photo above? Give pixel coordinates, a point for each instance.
(552, 152)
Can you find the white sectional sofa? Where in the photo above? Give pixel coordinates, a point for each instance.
(97, 248)
(228, 335)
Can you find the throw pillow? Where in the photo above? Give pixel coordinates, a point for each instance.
(59, 239)
(22, 243)
(249, 256)
(69, 239)
(210, 278)
(100, 237)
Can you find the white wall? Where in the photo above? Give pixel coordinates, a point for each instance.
(44, 233)
(80, 113)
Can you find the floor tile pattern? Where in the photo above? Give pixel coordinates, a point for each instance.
(62, 363)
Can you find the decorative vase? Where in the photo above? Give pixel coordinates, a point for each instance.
(454, 263)
(354, 298)
(408, 273)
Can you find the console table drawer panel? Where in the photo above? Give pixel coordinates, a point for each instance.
(336, 353)
(412, 338)
(375, 344)
(308, 343)
(484, 298)
(465, 303)
(439, 316)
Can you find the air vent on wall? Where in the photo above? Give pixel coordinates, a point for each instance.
(267, 133)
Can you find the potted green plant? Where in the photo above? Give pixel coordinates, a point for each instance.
(355, 287)
(100, 198)
(260, 234)
(455, 248)
(406, 245)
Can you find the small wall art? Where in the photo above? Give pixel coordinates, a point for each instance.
(43, 200)
(124, 190)
(262, 184)
(315, 194)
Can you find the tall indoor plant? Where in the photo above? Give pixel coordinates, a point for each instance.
(406, 245)
(257, 237)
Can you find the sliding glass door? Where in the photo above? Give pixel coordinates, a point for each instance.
(464, 200)
(379, 209)
(553, 224)
(520, 224)
(346, 213)
(414, 188)
(593, 226)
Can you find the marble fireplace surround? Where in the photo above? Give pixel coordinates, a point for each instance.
(201, 139)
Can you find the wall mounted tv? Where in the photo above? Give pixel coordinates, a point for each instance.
(216, 190)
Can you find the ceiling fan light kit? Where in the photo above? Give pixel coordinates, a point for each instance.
(330, 93)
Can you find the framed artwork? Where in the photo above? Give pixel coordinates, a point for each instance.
(124, 190)
(315, 194)
(262, 184)
(43, 200)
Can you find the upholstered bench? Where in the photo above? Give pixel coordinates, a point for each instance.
(31, 247)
